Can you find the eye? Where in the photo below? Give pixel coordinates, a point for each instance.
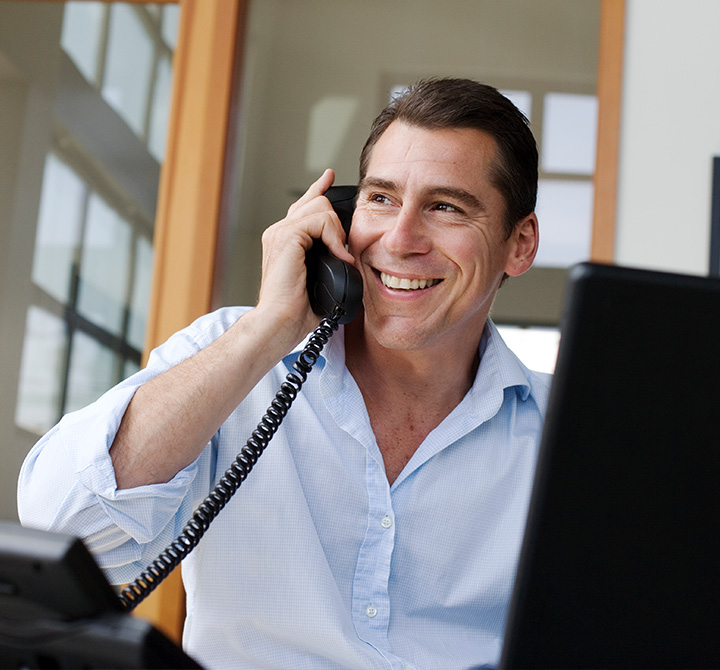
(379, 198)
(446, 207)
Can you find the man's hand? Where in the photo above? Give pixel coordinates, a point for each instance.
(283, 291)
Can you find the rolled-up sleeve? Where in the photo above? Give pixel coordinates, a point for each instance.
(67, 482)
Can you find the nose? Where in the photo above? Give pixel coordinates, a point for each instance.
(407, 233)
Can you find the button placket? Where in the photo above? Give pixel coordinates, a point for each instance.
(371, 605)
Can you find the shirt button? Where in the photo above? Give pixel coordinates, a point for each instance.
(371, 611)
(386, 522)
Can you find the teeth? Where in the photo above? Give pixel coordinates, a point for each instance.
(406, 284)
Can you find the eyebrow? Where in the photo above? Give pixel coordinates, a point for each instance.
(458, 194)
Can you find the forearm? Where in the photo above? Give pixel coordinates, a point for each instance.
(173, 416)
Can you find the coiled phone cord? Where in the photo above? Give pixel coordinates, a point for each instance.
(133, 594)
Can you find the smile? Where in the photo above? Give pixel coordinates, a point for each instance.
(406, 284)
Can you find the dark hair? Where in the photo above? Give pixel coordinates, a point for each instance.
(437, 104)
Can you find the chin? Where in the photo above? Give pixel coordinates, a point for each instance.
(399, 334)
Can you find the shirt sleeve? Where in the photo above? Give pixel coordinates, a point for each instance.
(67, 482)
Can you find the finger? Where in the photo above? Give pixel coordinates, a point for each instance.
(335, 240)
(317, 188)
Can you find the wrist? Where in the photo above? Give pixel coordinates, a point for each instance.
(277, 332)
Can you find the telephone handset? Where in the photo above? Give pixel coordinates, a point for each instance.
(335, 291)
(330, 281)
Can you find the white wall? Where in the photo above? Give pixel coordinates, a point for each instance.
(670, 132)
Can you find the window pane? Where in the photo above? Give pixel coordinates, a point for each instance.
(157, 133)
(129, 368)
(564, 211)
(140, 299)
(569, 133)
(170, 23)
(128, 67)
(41, 369)
(536, 347)
(330, 120)
(58, 230)
(104, 270)
(92, 371)
(81, 31)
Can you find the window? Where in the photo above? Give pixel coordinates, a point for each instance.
(535, 346)
(91, 273)
(565, 128)
(135, 81)
(92, 262)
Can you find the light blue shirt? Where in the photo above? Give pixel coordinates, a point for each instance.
(317, 562)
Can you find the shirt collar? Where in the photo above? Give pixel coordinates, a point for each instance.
(499, 367)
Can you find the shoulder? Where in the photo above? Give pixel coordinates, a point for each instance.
(540, 383)
(209, 327)
(531, 384)
(196, 336)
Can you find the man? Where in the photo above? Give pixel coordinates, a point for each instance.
(381, 527)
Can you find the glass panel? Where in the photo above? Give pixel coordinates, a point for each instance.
(129, 368)
(536, 347)
(330, 120)
(569, 133)
(522, 100)
(41, 369)
(160, 111)
(104, 270)
(128, 67)
(564, 211)
(91, 373)
(81, 34)
(170, 24)
(58, 230)
(140, 299)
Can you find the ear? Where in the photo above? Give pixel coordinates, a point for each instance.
(523, 246)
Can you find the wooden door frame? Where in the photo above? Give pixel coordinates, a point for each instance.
(609, 93)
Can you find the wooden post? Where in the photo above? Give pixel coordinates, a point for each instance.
(609, 91)
(189, 205)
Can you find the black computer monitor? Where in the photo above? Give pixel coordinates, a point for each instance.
(57, 610)
(620, 565)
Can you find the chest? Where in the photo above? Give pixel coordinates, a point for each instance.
(399, 431)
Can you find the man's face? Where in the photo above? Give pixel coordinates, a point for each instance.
(428, 237)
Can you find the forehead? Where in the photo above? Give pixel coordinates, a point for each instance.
(447, 154)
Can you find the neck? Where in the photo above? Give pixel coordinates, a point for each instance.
(407, 393)
(437, 376)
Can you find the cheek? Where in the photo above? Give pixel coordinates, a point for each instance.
(361, 235)
(479, 259)
(355, 244)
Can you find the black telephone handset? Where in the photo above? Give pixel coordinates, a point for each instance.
(330, 281)
(335, 291)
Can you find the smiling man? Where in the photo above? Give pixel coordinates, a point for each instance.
(381, 528)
